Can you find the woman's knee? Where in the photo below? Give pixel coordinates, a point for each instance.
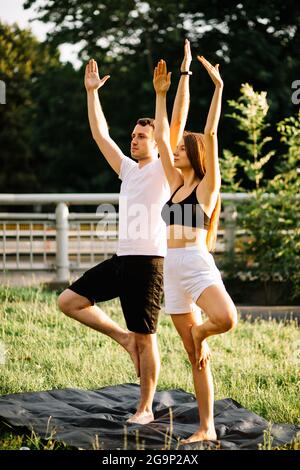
(227, 318)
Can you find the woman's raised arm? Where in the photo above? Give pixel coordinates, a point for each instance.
(161, 82)
(213, 176)
(182, 99)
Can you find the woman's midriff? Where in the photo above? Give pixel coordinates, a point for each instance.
(180, 236)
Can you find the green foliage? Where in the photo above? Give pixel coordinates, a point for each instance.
(45, 136)
(270, 249)
(127, 37)
(251, 110)
(229, 171)
(289, 130)
(22, 59)
(44, 131)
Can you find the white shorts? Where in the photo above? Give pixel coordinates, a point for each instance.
(187, 272)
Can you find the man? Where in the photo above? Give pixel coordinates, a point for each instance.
(135, 273)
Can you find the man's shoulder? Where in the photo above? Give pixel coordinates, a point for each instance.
(159, 167)
(157, 164)
(126, 167)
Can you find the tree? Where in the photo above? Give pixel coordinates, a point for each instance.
(22, 58)
(67, 158)
(250, 112)
(254, 41)
(45, 140)
(269, 250)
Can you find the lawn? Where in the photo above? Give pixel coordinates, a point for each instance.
(257, 364)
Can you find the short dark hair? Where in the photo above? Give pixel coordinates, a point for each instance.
(146, 122)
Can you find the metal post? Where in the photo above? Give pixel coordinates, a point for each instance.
(62, 242)
(230, 227)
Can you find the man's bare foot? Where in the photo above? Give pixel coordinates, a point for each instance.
(201, 435)
(141, 417)
(131, 348)
(202, 351)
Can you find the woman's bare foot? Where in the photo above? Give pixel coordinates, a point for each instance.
(139, 417)
(131, 348)
(202, 351)
(201, 435)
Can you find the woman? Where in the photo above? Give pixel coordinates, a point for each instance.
(192, 213)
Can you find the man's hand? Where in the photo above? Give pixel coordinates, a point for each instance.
(161, 79)
(92, 81)
(187, 59)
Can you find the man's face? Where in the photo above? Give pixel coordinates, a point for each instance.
(142, 142)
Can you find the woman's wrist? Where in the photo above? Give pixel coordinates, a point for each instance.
(161, 93)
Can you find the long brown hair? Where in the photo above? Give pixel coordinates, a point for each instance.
(195, 150)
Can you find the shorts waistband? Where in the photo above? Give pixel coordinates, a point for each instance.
(188, 248)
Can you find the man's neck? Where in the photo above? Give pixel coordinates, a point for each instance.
(146, 160)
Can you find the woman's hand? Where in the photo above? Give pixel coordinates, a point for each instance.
(187, 59)
(161, 79)
(212, 71)
(92, 81)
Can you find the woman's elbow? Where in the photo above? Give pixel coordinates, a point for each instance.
(212, 133)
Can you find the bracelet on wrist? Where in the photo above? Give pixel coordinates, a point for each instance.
(187, 72)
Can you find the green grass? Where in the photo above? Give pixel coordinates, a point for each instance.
(256, 364)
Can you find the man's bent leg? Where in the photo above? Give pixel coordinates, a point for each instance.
(149, 368)
(81, 309)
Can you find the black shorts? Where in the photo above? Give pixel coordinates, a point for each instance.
(136, 279)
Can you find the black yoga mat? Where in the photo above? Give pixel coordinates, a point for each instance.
(77, 416)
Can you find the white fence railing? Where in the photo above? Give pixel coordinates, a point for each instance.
(63, 241)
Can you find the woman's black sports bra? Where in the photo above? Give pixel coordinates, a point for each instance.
(188, 212)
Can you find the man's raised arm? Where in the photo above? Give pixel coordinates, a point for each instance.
(98, 124)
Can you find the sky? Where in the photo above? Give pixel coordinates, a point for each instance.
(12, 11)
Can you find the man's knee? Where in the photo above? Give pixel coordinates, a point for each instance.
(145, 341)
(68, 302)
(64, 302)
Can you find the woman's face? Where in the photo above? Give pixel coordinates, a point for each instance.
(180, 156)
